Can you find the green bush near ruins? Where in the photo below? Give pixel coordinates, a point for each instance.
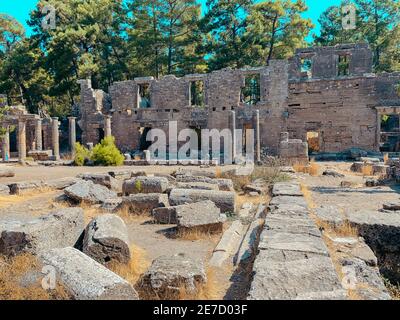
(103, 154)
(82, 154)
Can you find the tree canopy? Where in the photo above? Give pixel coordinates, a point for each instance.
(115, 40)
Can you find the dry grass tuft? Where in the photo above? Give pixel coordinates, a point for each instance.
(13, 272)
(6, 201)
(386, 158)
(197, 234)
(239, 182)
(218, 172)
(242, 199)
(367, 170)
(269, 175)
(307, 196)
(130, 216)
(312, 169)
(136, 267)
(212, 289)
(394, 289)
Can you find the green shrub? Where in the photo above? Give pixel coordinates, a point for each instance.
(82, 154)
(107, 154)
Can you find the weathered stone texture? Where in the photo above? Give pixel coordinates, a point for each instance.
(293, 261)
(87, 191)
(106, 240)
(85, 278)
(168, 275)
(59, 229)
(145, 185)
(144, 203)
(224, 200)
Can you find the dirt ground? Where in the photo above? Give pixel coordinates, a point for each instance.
(26, 173)
(153, 240)
(157, 240)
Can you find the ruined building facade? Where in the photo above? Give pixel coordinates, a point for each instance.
(327, 96)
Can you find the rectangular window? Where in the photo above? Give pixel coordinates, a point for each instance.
(144, 96)
(306, 68)
(251, 93)
(344, 65)
(197, 93)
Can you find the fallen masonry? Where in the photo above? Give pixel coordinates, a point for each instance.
(168, 275)
(224, 200)
(85, 278)
(103, 179)
(106, 240)
(4, 189)
(56, 230)
(87, 191)
(143, 203)
(145, 185)
(223, 184)
(202, 216)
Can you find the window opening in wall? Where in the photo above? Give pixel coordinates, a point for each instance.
(344, 65)
(197, 93)
(100, 133)
(313, 141)
(251, 93)
(143, 143)
(390, 133)
(306, 67)
(13, 141)
(144, 96)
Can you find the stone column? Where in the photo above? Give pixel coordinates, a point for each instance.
(233, 128)
(55, 137)
(378, 130)
(72, 133)
(6, 145)
(21, 139)
(38, 135)
(258, 137)
(107, 126)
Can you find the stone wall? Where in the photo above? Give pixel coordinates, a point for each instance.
(342, 110)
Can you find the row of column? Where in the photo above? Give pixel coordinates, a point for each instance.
(38, 137)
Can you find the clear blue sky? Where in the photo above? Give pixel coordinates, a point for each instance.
(20, 9)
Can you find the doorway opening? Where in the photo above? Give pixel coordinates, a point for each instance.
(313, 140)
(390, 133)
(100, 133)
(143, 143)
(13, 141)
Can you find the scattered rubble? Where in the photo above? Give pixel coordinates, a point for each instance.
(7, 173)
(106, 240)
(224, 200)
(144, 203)
(87, 191)
(4, 189)
(169, 275)
(145, 185)
(202, 216)
(85, 278)
(333, 173)
(56, 230)
(103, 179)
